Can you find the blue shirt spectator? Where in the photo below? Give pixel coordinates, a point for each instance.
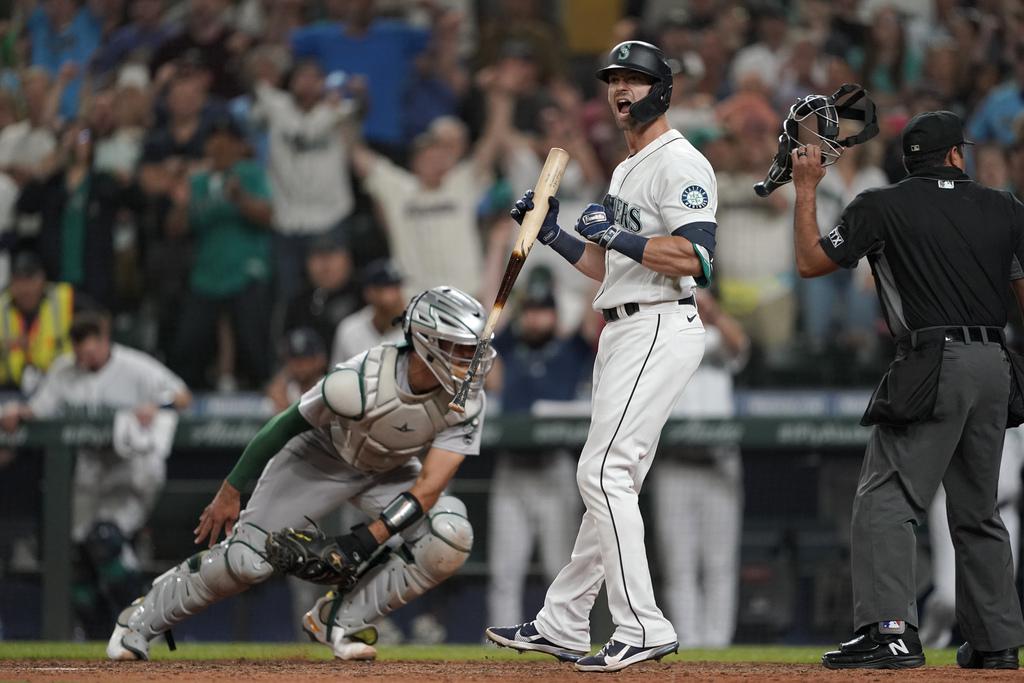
(137, 40)
(384, 54)
(59, 37)
(995, 117)
(538, 365)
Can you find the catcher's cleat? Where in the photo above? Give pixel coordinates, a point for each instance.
(125, 643)
(615, 656)
(874, 650)
(525, 638)
(354, 646)
(969, 658)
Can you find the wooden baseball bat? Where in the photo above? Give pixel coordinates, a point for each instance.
(547, 186)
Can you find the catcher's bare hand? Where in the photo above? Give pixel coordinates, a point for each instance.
(221, 513)
(807, 168)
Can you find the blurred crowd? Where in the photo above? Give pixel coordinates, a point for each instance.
(226, 177)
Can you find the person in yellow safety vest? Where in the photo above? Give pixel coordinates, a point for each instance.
(35, 316)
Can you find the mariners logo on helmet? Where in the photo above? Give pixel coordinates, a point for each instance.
(695, 197)
(624, 51)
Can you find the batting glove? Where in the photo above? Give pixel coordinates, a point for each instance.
(597, 226)
(549, 228)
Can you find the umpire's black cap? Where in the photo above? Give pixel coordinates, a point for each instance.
(931, 131)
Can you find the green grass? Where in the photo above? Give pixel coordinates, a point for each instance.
(202, 651)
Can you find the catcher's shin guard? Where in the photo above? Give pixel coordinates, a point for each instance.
(409, 572)
(227, 569)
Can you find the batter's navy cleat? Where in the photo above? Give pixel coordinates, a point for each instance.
(875, 650)
(969, 658)
(525, 638)
(615, 655)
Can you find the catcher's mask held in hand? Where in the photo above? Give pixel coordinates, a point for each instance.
(815, 120)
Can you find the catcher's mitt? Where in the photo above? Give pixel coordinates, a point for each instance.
(313, 556)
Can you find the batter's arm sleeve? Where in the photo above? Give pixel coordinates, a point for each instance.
(859, 232)
(271, 438)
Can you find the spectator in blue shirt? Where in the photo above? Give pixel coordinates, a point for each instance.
(136, 41)
(995, 119)
(62, 32)
(383, 51)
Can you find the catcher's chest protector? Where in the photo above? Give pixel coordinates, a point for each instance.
(395, 425)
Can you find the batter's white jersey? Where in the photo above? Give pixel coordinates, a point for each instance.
(666, 185)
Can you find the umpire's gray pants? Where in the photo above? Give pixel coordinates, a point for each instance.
(960, 447)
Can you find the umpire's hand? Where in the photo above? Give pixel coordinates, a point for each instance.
(221, 513)
(807, 168)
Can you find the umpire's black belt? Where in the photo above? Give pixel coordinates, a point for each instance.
(960, 333)
(626, 310)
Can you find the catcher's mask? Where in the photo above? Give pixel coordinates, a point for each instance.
(444, 325)
(815, 118)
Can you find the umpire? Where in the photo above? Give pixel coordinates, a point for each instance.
(940, 247)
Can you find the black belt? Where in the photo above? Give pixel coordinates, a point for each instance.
(961, 333)
(975, 334)
(611, 315)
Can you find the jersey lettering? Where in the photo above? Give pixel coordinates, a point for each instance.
(624, 215)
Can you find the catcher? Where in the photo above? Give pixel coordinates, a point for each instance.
(354, 437)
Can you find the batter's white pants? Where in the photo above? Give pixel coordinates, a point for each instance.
(699, 508)
(643, 364)
(529, 506)
(940, 615)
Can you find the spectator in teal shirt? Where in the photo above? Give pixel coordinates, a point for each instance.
(227, 211)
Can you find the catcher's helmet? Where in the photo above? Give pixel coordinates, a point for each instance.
(648, 59)
(437, 322)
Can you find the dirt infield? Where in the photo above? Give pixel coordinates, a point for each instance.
(451, 672)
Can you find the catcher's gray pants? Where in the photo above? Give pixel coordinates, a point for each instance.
(304, 480)
(960, 447)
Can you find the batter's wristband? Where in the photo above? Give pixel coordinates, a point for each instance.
(570, 248)
(629, 244)
(401, 513)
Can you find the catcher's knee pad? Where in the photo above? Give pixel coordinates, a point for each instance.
(446, 546)
(412, 569)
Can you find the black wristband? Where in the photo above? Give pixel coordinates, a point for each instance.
(365, 540)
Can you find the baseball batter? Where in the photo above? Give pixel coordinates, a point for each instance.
(356, 436)
(649, 245)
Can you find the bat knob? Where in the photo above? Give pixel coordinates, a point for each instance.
(456, 407)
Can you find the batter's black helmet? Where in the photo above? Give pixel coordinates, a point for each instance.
(647, 59)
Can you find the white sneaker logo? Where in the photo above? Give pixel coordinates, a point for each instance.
(898, 647)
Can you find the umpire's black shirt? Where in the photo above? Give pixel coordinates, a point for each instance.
(939, 245)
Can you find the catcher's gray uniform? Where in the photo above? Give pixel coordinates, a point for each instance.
(367, 429)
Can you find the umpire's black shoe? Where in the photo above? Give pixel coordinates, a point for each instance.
(874, 650)
(969, 658)
(526, 638)
(615, 655)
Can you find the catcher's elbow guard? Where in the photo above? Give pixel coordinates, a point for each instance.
(402, 512)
